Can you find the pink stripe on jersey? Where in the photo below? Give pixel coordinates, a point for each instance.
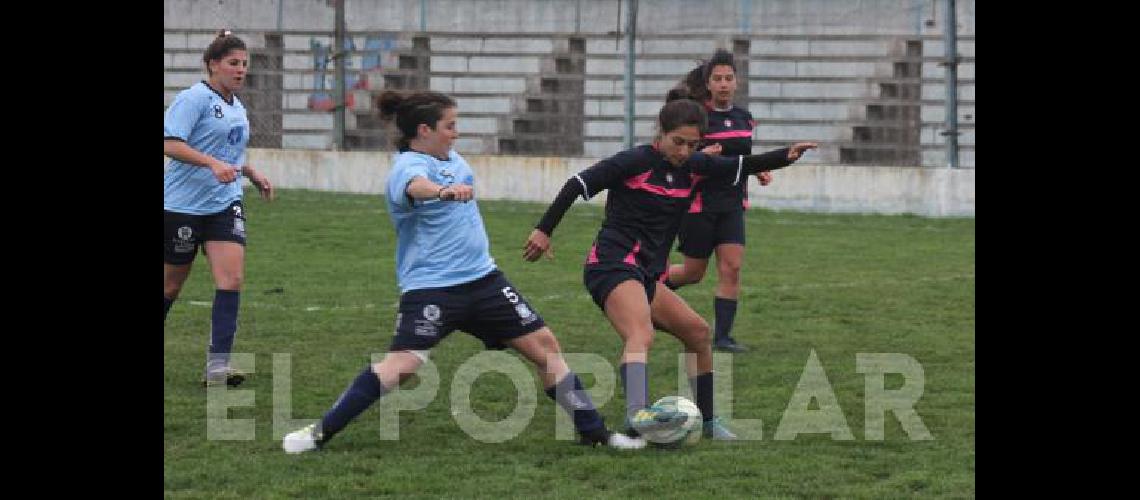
(730, 134)
(630, 258)
(593, 257)
(695, 207)
(641, 182)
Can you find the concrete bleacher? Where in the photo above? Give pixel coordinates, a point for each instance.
(874, 98)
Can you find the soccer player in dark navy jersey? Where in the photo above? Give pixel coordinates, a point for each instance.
(650, 190)
(715, 221)
(448, 280)
(205, 131)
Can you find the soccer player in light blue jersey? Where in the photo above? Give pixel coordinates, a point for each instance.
(448, 280)
(205, 132)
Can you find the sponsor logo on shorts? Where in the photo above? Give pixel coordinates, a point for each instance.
(184, 242)
(431, 312)
(525, 313)
(425, 328)
(429, 326)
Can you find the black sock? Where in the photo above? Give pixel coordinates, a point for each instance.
(363, 391)
(166, 303)
(702, 386)
(568, 393)
(725, 315)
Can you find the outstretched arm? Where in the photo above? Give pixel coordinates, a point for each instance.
(739, 166)
(774, 160)
(539, 241)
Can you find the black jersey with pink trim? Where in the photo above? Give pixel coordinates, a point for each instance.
(732, 129)
(647, 199)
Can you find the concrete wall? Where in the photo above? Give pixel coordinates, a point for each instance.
(575, 16)
(814, 67)
(800, 87)
(813, 188)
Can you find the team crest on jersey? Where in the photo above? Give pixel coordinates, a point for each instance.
(669, 178)
(235, 135)
(218, 111)
(727, 123)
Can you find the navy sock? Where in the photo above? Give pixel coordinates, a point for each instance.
(363, 391)
(166, 303)
(725, 315)
(577, 403)
(702, 386)
(635, 380)
(223, 327)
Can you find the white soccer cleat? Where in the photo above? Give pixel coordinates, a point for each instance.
(621, 441)
(300, 441)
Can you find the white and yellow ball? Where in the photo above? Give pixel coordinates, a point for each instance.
(688, 432)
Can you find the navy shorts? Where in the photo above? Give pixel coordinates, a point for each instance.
(701, 232)
(490, 308)
(182, 234)
(600, 281)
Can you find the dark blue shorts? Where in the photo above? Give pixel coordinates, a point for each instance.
(701, 232)
(489, 308)
(182, 234)
(601, 280)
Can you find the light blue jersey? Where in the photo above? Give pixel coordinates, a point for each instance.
(439, 243)
(206, 122)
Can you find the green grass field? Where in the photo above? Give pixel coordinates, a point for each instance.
(320, 287)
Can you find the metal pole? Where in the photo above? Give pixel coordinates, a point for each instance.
(578, 16)
(630, 97)
(280, 12)
(950, 40)
(423, 15)
(338, 97)
(745, 16)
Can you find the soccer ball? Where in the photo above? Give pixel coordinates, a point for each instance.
(688, 432)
